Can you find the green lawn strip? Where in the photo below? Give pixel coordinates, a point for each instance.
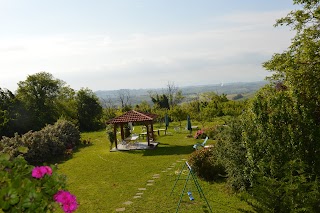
(104, 180)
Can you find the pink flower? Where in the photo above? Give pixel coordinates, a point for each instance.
(67, 200)
(49, 170)
(40, 171)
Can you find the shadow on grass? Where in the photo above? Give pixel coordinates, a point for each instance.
(169, 150)
(66, 157)
(164, 150)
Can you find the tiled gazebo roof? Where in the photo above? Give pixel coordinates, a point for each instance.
(132, 116)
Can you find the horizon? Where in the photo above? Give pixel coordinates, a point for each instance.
(136, 44)
(198, 85)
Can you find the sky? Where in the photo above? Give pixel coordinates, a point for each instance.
(133, 44)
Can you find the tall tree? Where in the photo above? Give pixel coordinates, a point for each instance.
(66, 104)
(125, 99)
(89, 110)
(174, 94)
(110, 109)
(297, 70)
(281, 128)
(161, 101)
(39, 94)
(7, 112)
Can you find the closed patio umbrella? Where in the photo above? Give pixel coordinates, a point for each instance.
(166, 121)
(189, 124)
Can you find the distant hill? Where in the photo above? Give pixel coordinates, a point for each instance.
(230, 89)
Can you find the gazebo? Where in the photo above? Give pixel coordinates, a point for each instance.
(133, 116)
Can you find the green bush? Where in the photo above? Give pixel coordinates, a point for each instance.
(232, 153)
(39, 147)
(215, 131)
(11, 145)
(24, 188)
(44, 145)
(206, 164)
(67, 133)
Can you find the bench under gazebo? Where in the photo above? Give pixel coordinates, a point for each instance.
(134, 117)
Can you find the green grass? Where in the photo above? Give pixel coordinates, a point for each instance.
(104, 180)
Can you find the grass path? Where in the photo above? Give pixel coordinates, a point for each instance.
(104, 181)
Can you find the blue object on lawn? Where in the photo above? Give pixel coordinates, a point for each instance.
(190, 196)
(196, 146)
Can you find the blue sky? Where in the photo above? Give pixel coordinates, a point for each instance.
(114, 44)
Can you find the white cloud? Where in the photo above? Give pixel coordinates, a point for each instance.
(231, 50)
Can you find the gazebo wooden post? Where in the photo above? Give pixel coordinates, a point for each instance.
(122, 132)
(151, 133)
(148, 137)
(115, 135)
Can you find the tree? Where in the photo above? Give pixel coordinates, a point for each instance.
(281, 128)
(7, 102)
(89, 110)
(177, 113)
(66, 104)
(174, 94)
(297, 72)
(161, 101)
(144, 106)
(39, 94)
(110, 109)
(125, 99)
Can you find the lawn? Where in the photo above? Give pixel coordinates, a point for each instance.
(105, 181)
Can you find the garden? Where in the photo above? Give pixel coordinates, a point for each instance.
(107, 181)
(261, 155)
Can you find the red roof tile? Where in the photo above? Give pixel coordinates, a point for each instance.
(132, 116)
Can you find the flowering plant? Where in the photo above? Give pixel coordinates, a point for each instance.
(200, 134)
(67, 200)
(25, 188)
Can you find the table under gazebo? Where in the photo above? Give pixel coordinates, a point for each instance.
(134, 117)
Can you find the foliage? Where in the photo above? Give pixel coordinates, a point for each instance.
(66, 105)
(160, 112)
(67, 133)
(210, 105)
(44, 145)
(144, 106)
(177, 113)
(294, 191)
(11, 145)
(278, 133)
(232, 152)
(38, 93)
(238, 96)
(174, 95)
(89, 110)
(24, 188)
(13, 116)
(282, 126)
(206, 164)
(161, 101)
(111, 136)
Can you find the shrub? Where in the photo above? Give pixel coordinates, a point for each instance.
(111, 136)
(11, 145)
(24, 188)
(44, 145)
(67, 133)
(39, 147)
(206, 165)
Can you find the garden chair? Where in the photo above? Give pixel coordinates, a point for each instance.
(198, 145)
